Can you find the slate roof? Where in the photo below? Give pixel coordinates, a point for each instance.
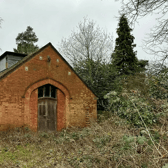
(12, 53)
(7, 71)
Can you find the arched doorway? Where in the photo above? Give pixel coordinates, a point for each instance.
(47, 102)
(62, 97)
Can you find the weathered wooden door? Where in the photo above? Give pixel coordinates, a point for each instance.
(47, 114)
(47, 102)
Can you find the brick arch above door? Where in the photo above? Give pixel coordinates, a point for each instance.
(33, 90)
(37, 84)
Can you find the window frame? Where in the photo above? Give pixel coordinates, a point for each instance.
(50, 89)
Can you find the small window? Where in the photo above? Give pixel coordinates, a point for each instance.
(47, 91)
(40, 91)
(53, 92)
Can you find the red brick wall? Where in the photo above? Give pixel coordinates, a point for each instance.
(34, 109)
(18, 93)
(61, 120)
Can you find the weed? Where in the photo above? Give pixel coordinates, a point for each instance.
(156, 136)
(27, 135)
(141, 140)
(44, 134)
(128, 142)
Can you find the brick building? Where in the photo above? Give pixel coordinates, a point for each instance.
(42, 91)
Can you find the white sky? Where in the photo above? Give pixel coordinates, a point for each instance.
(52, 20)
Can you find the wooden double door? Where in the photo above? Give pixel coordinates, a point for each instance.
(47, 114)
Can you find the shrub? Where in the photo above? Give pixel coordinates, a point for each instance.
(128, 142)
(126, 105)
(141, 140)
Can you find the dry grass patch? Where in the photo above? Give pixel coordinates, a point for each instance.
(109, 143)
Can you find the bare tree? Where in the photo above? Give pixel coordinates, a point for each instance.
(88, 42)
(157, 41)
(155, 68)
(89, 49)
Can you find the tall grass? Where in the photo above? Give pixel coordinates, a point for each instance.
(110, 142)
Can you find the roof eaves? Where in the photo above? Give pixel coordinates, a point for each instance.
(12, 53)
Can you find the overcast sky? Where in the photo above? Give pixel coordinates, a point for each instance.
(52, 20)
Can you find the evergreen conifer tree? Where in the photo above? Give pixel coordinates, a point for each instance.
(124, 58)
(25, 42)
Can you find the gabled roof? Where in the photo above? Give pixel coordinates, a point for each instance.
(12, 53)
(7, 71)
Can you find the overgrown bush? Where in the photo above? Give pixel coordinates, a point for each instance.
(158, 86)
(140, 97)
(127, 105)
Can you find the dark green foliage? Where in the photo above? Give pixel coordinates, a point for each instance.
(123, 106)
(141, 93)
(100, 77)
(25, 42)
(124, 58)
(158, 84)
(141, 65)
(157, 80)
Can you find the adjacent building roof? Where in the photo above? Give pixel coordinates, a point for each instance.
(9, 70)
(12, 53)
